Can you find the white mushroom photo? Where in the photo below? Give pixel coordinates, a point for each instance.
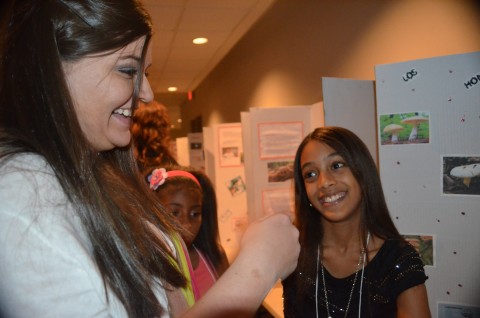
(414, 121)
(466, 172)
(393, 129)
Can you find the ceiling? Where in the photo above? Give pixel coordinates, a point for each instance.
(176, 60)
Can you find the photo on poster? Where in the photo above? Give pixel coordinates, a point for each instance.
(279, 140)
(404, 128)
(230, 152)
(446, 310)
(461, 175)
(236, 186)
(230, 146)
(279, 171)
(424, 244)
(225, 215)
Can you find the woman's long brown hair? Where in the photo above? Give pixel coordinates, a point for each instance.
(37, 116)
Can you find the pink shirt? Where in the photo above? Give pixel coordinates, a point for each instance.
(204, 275)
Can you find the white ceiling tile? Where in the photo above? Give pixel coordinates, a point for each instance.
(176, 60)
(211, 19)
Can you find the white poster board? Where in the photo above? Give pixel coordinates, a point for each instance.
(195, 151)
(223, 148)
(271, 137)
(416, 166)
(350, 104)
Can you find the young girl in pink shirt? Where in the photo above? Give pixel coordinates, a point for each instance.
(190, 197)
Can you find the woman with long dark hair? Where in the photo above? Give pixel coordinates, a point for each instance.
(81, 233)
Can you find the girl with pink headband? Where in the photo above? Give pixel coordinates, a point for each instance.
(190, 197)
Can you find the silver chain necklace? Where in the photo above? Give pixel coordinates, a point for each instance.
(360, 261)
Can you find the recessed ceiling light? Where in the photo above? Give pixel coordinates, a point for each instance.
(200, 40)
(172, 89)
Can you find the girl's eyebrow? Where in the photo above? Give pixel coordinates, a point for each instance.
(333, 154)
(305, 165)
(128, 57)
(329, 156)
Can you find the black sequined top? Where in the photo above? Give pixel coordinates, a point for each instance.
(396, 267)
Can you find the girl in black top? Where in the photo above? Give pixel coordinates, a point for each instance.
(353, 261)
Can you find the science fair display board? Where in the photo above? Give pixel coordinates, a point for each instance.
(223, 148)
(195, 151)
(272, 136)
(428, 129)
(188, 151)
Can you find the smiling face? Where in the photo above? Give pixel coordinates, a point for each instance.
(330, 185)
(185, 204)
(102, 90)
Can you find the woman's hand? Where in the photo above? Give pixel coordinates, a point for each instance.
(271, 243)
(269, 251)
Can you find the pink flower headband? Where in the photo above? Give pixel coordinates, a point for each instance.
(158, 177)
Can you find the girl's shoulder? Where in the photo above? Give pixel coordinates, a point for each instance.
(398, 265)
(395, 250)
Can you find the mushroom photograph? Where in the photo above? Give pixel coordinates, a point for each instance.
(461, 175)
(393, 129)
(280, 171)
(404, 128)
(423, 243)
(415, 122)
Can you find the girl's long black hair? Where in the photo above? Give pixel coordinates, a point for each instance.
(208, 238)
(375, 215)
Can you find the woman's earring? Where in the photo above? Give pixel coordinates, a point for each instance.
(310, 204)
